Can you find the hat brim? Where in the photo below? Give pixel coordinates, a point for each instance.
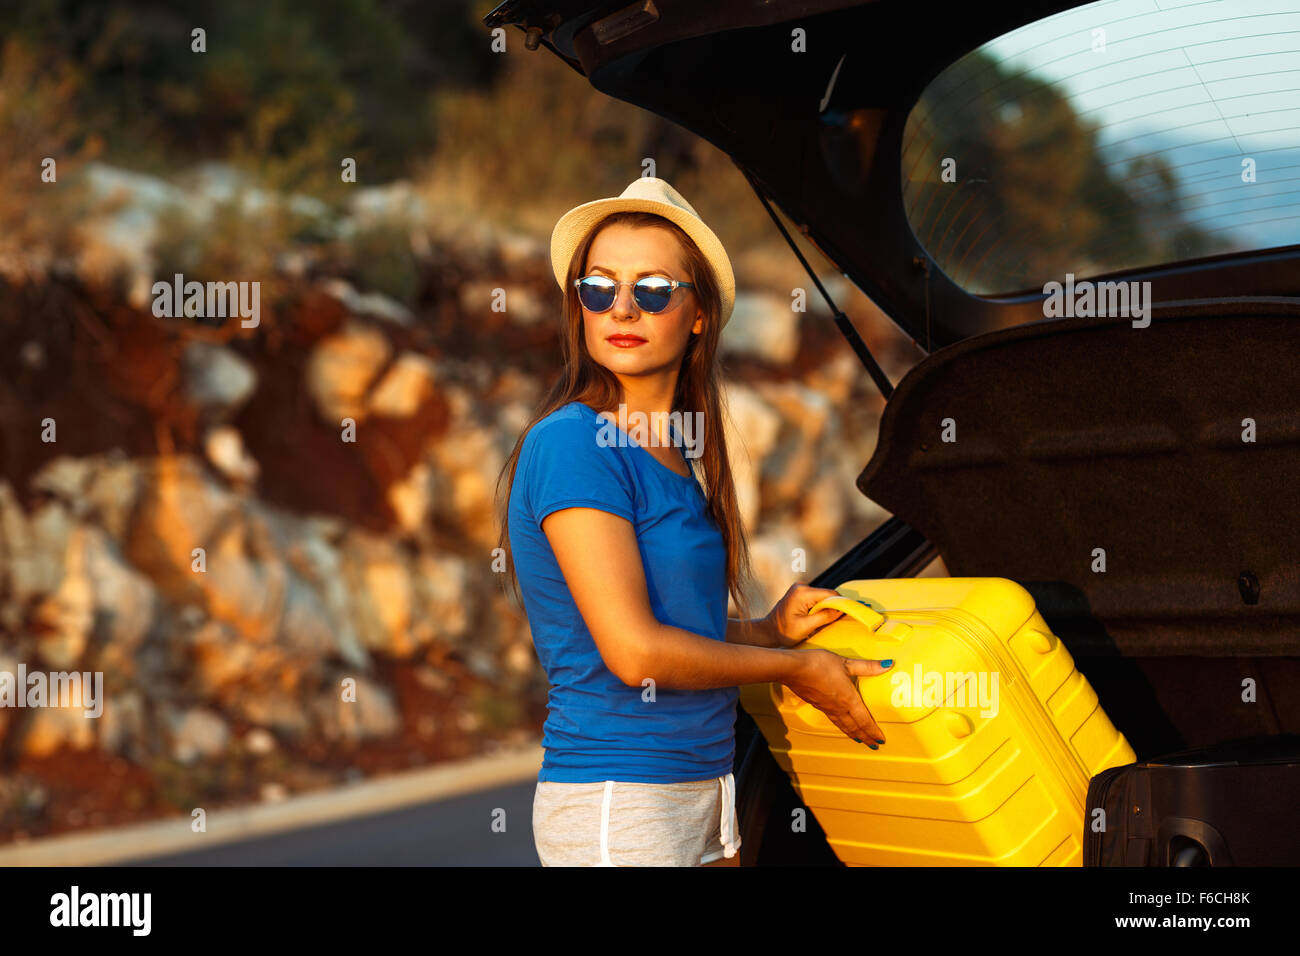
(574, 225)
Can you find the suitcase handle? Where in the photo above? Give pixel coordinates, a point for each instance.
(860, 611)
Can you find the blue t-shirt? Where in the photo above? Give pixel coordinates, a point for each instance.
(599, 728)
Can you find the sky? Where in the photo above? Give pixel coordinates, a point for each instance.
(1204, 84)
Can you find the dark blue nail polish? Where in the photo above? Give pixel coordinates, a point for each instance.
(873, 746)
(888, 663)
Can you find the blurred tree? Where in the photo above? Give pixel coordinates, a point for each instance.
(295, 86)
(1035, 195)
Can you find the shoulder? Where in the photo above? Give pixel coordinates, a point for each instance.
(568, 423)
(573, 432)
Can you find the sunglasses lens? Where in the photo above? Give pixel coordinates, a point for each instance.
(652, 294)
(597, 294)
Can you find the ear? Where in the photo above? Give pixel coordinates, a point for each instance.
(698, 327)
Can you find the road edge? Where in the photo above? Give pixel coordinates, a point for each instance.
(230, 824)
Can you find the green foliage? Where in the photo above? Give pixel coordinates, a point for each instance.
(288, 88)
(383, 261)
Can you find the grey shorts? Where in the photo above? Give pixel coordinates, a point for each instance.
(615, 823)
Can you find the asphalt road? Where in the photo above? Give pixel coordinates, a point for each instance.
(457, 831)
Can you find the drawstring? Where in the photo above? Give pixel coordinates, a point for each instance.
(604, 825)
(729, 837)
(728, 814)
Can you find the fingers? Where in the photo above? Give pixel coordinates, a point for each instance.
(806, 595)
(866, 668)
(868, 731)
(826, 615)
(859, 717)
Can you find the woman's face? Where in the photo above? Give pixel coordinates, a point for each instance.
(624, 339)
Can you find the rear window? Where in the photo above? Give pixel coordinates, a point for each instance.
(1115, 135)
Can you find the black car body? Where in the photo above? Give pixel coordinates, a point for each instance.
(1086, 432)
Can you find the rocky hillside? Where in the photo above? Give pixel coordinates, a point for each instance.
(275, 608)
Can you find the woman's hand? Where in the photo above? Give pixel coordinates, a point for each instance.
(825, 680)
(790, 621)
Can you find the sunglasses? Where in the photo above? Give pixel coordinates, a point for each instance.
(651, 293)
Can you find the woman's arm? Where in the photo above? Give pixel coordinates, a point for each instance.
(598, 555)
(760, 632)
(601, 563)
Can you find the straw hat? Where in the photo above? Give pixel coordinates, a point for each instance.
(646, 194)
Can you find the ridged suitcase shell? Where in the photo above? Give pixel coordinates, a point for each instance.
(995, 781)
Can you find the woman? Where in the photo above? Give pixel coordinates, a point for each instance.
(625, 562)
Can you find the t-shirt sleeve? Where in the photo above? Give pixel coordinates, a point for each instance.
(568, 468)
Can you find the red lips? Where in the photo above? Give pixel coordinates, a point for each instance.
(625, 341)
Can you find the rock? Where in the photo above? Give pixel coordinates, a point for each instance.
(224, 446)
(125, 602)
(442, 597)
(751, 427)
(66, 479)
(112, 492)
(305, 629)
(101, 488)
(37, 547)
(822, 516)
(217, 378)
(341, 369)
(411, 497)
(321, 563)
(50, 729)
(835, 378)
(197, 734)
(382, 594)
(518, 250)
(799, 451)
(283, 714)
(245, 590)
(219, 658)
(521, 303)
(64, 619)
(371, 715)
(762, 326)
(180, 508)
(773, 554)
(520, 657)
(273, 792)
(433, 679)
(408, 384)
(372, 304)
(396, 202)
(259, 742)
(123, 725)
(467, 460)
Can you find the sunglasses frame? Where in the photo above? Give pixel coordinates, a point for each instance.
(618, 285)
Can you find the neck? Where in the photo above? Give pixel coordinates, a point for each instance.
(650, 396)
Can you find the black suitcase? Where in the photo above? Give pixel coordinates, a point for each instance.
(1231, 804)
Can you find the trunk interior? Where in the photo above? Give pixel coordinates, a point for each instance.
(1170, 453)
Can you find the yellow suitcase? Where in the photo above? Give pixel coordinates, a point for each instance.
(991, 732)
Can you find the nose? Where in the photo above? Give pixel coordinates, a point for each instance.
(624, 306)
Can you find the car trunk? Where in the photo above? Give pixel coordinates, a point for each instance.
(1074, 439)
(1140, 483)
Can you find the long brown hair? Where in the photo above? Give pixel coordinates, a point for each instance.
(698, 390)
